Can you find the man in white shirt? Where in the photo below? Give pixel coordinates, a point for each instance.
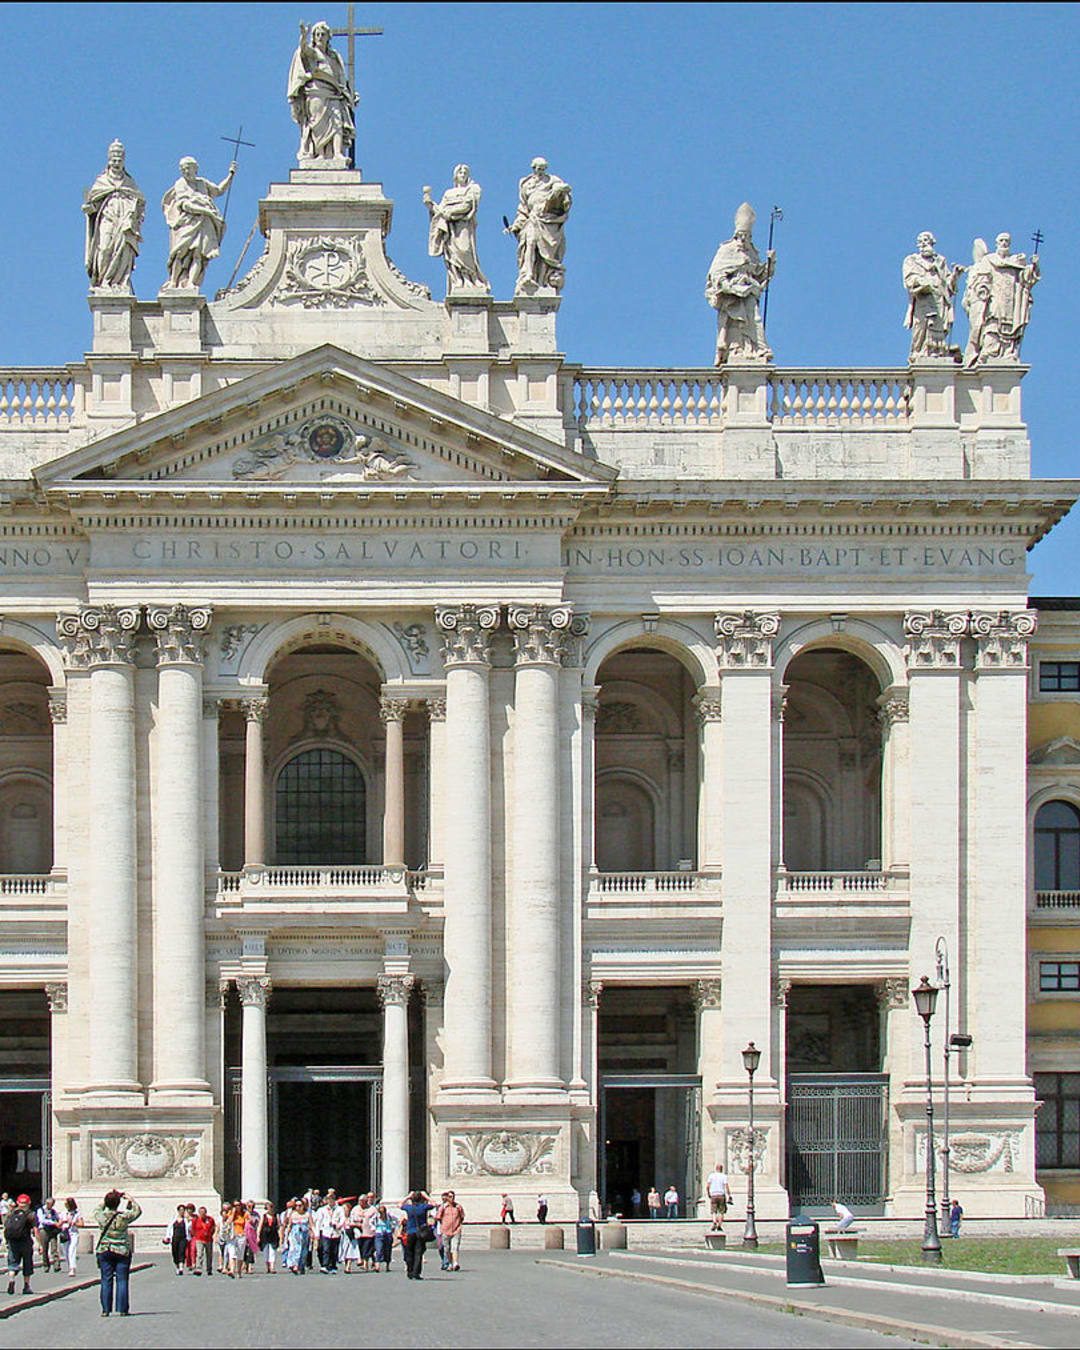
(719, 1192)
(671, 1199)
(329, 1220)
(844, 1215)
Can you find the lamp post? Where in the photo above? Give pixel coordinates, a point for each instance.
(951, 1045)
(925, 996)
(751, 1057)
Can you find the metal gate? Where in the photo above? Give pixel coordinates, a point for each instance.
(836, 1139)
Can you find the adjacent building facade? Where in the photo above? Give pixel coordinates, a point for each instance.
(426, 761)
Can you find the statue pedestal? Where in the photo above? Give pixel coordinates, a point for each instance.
(344, 202)
(535, 334)
(112, 311)
(470, 323)
(182, 310)
(749, 445)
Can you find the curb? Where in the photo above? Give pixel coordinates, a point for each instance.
(768, 1260)
(865, 1321)
(62, 1291)
(868, 1282)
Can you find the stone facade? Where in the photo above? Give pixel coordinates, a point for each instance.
(692, 686)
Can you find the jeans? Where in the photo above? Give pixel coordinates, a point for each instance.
(414, 1255)
(384, 1247)
(20, 1252)
(328, 1252)
(114, 1266)
(673, 1211)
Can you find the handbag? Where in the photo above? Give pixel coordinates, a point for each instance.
(101, 1235)
(425, 1232)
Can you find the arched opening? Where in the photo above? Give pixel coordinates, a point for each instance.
(646, 758)
(26, 765)
(832, 764)
(320, 810)
(1057, 847)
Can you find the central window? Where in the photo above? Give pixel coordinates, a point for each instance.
(320, 811)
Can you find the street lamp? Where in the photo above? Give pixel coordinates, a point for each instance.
(953, 1044)
(751, 1058)
(925, 996)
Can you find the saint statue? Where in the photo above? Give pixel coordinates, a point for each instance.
(452, 236)
(321, 100)
(737, 278)
(196, 226)
(544, 203)
(997, 300)
(931, 286)
(114, 209)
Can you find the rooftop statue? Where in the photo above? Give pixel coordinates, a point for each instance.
(452, 236)
(544, 203)
(736, 280)
(114, 209)
(196, 226)
(998, 300)
(322, 101)
(931, 286)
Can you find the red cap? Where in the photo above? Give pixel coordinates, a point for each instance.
(22, 1199)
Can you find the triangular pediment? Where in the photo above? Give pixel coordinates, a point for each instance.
(325, 419)
(1062, 752)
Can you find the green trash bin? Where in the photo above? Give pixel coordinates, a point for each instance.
(804, 1254)
(586, 1237)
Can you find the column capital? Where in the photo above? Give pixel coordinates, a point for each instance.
(540, 633)
(591, 991)
(708, 705)
(706, 994)
(102, 635)
(254, 990)
(180, 632)
(746, 638)
(57, 994)
(894, 705)
(466, 633)
(934, 638)
(781, 990)
(780, 702)
(436, 708)
(217, 993)
(211, 709)
(392, 709)
(394, 990)
(57, 706)
(432, 993)
(255, 708)
(1002, 638)
(893, 993)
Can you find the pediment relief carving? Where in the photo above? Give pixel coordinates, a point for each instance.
(1061, 752)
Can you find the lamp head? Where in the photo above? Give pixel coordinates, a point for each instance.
(751, 1058)
(925, 996)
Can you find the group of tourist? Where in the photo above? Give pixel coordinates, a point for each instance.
(333, 1234)
(55, 1230)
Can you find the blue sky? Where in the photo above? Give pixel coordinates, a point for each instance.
(865, 123)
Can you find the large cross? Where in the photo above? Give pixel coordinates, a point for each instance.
(351, 32)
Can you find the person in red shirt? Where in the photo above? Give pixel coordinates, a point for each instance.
(203, 1227)
(450, 1216)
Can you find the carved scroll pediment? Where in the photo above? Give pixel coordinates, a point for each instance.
(1061, 752)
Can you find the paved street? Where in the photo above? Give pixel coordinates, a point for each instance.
(498, 1300)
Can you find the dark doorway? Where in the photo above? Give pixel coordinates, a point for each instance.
(324, 1138)
(629, 1147)
(25, 1097)
(23, 1128)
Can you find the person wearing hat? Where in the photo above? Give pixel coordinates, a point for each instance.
(20, 1229)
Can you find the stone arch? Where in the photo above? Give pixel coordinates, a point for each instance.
(870, 643)
(1043, 796)
(807, 839)
(26, 821)
(278, 639)
(26, 638)
(657, 708)
(347, 752)
(643, 799)
(678, 639)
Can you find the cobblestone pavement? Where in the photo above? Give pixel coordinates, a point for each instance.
(497, 1300)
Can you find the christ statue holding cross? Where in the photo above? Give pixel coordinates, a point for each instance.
(322, 95)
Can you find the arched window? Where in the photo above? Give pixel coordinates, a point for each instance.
(320, 810)
(1057, 847)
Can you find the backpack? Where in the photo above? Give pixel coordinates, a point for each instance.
(18, 1225)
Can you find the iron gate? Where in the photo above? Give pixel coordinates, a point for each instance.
(836, 1139)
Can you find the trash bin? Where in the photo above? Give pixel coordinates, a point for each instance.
(586, 1237)
(803, 1254)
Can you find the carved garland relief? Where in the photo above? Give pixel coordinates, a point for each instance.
(146, 1157)
(502, 1153)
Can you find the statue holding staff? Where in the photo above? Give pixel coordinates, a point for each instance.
(544, 203)
(997, 300)
(114, 209)
(322, 101)
(196, 226)
(737, 277)
(452, 235)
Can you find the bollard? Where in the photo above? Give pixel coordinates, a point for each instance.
(613, 1237)
(500, 1238)
(716, 1241)
(553, 1238)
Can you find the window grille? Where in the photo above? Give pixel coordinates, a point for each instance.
(320, 811)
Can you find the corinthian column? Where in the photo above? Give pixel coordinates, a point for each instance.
(254, 1135)
(534, 901)
(103, 642)
(467, 887)
(436, 711)
(255, 710)
(179, 961)
(392, 711)
(394, 991)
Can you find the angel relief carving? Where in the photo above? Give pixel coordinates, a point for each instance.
(332, 448)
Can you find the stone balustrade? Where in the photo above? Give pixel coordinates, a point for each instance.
(1057, 900)
(834, 882)
(644, 399)
(39, 396)
(653, 883)
(657, 897)
(33, 895)
(308, 890)
(839, 398)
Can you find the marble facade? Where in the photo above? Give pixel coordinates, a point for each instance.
(579, 606)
